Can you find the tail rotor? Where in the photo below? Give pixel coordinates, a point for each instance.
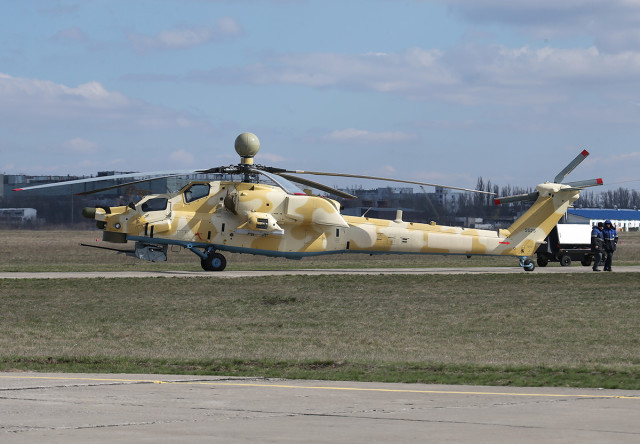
(569, 186)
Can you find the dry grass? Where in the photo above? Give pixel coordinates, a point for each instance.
(482, 320)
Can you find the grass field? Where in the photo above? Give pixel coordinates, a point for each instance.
(520, 329)
(27, 250)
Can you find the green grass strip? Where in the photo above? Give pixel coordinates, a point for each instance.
(522, 376)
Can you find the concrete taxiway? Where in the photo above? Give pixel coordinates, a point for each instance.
(79, 408)
(306, 272)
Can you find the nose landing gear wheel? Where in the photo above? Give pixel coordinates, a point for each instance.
(214, 262)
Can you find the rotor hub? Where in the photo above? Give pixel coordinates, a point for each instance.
(247, 146)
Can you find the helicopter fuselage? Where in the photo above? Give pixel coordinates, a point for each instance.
(266, 220)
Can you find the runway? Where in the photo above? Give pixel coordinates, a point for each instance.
(306, 272)
(79, 408)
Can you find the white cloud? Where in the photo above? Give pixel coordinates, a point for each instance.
(29, 92)
(469, 74)
(394, 73)
(363, 136)
(228, 26)
(185, 37)
(273, 158)
(612, 25)
(182, 158)
(79, 146)
(32, 102)
(73, 34)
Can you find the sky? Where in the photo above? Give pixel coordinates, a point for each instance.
(442, 91)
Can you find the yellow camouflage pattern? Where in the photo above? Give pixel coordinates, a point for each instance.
(265, 219)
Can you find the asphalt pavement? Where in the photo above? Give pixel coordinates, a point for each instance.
(101, 408)
(306, 272)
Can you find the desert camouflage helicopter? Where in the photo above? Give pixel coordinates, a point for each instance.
(277, 219)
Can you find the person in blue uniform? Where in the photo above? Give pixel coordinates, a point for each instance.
(610, 237)
(597, 244)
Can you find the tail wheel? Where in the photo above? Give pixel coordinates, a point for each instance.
(214, 262)
(528, 265)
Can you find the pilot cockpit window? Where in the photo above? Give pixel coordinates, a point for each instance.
(155, 204)
(196, 191)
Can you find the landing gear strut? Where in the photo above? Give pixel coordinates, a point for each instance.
(213, 262)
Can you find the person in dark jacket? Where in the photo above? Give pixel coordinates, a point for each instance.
(610, 237)
(597, 244)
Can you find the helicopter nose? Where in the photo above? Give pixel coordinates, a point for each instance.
(89, 212)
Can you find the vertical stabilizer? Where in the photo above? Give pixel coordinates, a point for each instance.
(530, 230)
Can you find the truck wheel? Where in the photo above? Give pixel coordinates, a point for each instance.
(542, 261)
(565, 260)
(586, 261)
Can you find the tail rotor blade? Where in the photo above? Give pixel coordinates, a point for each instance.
(585, 183)
(574, 163)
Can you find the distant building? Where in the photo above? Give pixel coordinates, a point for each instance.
(17, 216)
(624, 220)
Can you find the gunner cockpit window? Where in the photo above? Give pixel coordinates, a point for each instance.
(155, 204)
(196, 191)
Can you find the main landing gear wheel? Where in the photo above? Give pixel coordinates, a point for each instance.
(214, 262)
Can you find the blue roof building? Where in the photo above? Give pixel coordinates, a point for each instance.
(624, 220)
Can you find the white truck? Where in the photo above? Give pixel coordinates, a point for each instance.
(566, 243)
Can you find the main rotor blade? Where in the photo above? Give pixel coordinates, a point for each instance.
(517, 198)
(317, 185)
(126, 184)
(231, 169)
(103, 178)
(574, 163)
(317, 173)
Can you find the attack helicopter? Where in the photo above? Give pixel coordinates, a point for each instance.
(275, 218)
